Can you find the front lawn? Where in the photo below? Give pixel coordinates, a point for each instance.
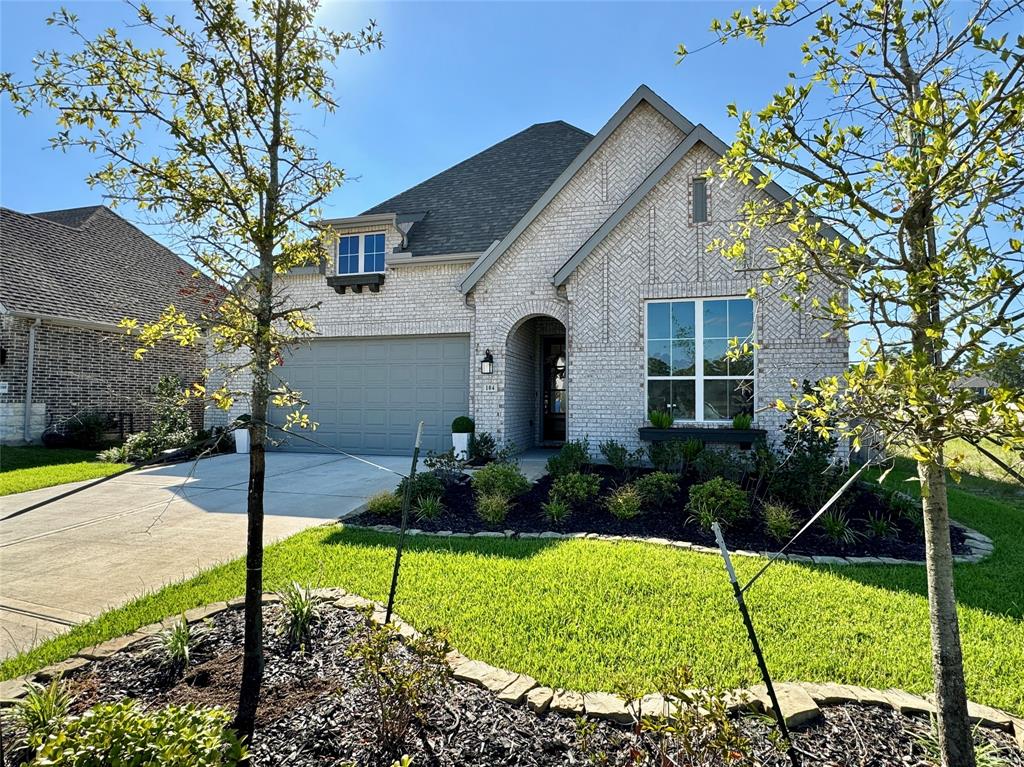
(31, 468)
(589, 614)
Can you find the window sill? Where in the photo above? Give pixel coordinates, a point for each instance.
(371, 280)
(708, 434)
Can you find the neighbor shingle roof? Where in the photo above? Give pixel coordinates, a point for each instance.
(90, 264)
(478, 201)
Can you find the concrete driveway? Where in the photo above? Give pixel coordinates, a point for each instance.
(69, 561)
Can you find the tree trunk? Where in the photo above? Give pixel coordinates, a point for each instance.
(955, 738)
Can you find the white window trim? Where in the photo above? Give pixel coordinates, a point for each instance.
(362, 253)
(698, 342)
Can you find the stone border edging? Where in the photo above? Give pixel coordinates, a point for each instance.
(799, 701)
(980, 545)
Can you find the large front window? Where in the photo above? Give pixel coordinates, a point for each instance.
(372, 247)
(689, 372)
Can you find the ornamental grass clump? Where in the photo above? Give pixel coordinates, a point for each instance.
(624, 502)
(429, 507)
(837, 529)
(40, 714)
(176, 645)
(301, 610)
(779, 521)
(492, 508)
(556, 510)
(718, 500)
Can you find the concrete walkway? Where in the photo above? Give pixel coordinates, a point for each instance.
(69, 561)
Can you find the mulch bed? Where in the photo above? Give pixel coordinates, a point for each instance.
(672, 521)
(314, 712)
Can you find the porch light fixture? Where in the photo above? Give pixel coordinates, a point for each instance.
(487, 363)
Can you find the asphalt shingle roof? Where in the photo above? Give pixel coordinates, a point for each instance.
(91, 264)
(479, 200)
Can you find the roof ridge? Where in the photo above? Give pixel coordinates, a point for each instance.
(42, 215)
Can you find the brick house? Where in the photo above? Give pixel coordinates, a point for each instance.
(67, 277)
(554, 286)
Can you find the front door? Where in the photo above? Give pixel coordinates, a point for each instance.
(553, 394)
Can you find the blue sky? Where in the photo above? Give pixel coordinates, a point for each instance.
(453, 79)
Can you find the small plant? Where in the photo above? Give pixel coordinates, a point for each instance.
(666, 456)
(483, 447)
(423, 484)
(301, 610)
(463, 425)
(503, 479)
(429, 507)
(176, 644)
(742, 421)
(122, 733)
(718, 500)
(986, 754)
(447, 466)
(624, 502)
(384, 504)
(492, 507)
(880, 526)
(556, 510)
(576, 488)
(779, 521)
(837, 528)
(41, 713)
(571, 458)
(399, 687)
(657, 488)
(711, 463)
(660, 419)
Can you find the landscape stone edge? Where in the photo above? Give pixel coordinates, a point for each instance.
(798, 700)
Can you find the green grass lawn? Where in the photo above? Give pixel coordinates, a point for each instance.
(590, 615)
(30, 468)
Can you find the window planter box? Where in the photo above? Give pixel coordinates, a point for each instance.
(724, 435)
(371, 280)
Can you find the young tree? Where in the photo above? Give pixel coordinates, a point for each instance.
(902, 142)
(198, 123)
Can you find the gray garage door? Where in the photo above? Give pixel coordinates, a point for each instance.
(368, 394)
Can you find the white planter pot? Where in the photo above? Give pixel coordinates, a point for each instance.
(241, 440)
(461, 444)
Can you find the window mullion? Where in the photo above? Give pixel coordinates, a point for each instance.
(698, 360)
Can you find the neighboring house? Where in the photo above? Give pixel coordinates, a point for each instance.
(977, 384)
(556, 285)
(67, 277)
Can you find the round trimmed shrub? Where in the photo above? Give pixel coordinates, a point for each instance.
(384, 504)
(425, 484)
(718, 500)
(576, 488)
(657, 488)
(463, 425)
(503, 479)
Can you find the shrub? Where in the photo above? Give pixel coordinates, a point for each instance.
(492, 507)
(500, 479)
(837, 528)
(730, 464)
(718, 500)
(423, 484)
(301, 609)
(447, 466)
(880, 526)
(41, 713)
(779, 521)
(483, 447)
(667, 456)
(398, 686)
(624, 503)
(556, 510)
(85, 430)
(660, 419)
(384, 504)
(176, 645)
(576, 488)
(619, 458)
(571, 458)
(807, 474)
(175, 736)
(742, 421)
(429, 507)
(657, 488)
(463, 425)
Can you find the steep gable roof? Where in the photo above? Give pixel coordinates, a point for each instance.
(89, 264)
(469, 206)
(641, 94)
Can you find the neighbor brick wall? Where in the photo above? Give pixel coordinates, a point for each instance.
(83, 369)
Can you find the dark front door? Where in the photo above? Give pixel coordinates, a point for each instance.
(554, 396)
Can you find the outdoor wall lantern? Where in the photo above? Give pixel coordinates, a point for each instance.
(487, 363)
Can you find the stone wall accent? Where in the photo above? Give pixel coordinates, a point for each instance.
(79, 368)
(798, 701)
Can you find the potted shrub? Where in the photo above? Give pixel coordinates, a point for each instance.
(242, 433)
(462, 431)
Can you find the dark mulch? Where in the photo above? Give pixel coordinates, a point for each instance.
(313, 712)
(672, 521)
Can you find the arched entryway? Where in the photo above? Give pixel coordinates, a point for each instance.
(536, 382)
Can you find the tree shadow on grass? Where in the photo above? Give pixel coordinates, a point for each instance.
(508, 548)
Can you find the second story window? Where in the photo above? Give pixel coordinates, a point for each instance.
(348, 255)
(700, 200)
(371, 247)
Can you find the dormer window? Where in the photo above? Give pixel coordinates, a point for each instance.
(370, 246)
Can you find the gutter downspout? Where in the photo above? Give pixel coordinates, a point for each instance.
(28, 378)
